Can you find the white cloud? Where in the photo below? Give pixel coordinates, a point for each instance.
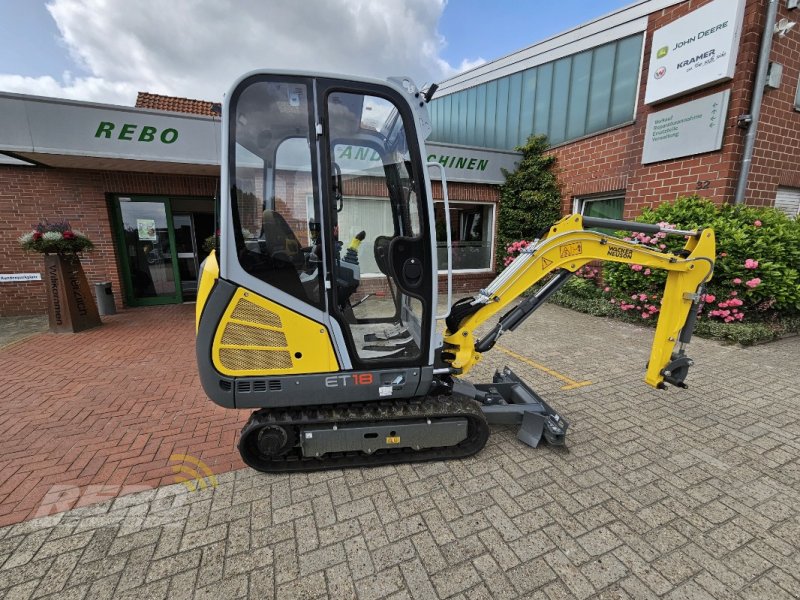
(196, 48)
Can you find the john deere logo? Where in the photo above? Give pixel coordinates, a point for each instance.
(660, 72)
(196, 475)
(662, 52)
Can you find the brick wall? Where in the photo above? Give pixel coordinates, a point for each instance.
(28, 194)
(611, 161)
(776, 160)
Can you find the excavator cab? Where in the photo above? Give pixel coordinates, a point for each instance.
(325, 224)
(319, 308)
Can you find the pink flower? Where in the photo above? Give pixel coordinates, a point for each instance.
(634, 297)
(723, 254)
(606, 289)
(750, 264)
(642, 297)
(645, 315)
(613, 301)
(636, 267)
(647, 271)
(757, 223)
(737, 281)
(662, 246)
(753, 283)
(710, 297)
(734, 293)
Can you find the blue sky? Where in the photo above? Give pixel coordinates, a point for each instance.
(494, 28)
(107, 51)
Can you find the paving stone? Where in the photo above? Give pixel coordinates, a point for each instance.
(668, 496)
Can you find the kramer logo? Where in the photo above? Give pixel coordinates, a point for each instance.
(192, 478)
(662, 52)
(660, 72)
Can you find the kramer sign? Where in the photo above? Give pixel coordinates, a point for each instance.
(690, 128)
(695, 51)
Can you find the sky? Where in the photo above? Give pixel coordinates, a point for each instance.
(108, 50)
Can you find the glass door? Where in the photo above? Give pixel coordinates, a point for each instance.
(186, 250)
(146, 245)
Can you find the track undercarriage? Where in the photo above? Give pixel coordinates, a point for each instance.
(440, 427)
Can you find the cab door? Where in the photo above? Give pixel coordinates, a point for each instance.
(375, 215)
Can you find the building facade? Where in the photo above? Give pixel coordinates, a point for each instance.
(141, 182)
(587, 90)
(640, 106)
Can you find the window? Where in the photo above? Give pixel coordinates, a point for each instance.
(565, 99)
(788, 201)
(609, 206)
(472, 228)
(797, 96)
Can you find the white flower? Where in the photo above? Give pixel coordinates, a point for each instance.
(26, 238)
(52, 236)
(78, 233)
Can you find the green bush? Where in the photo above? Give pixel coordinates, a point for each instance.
(530, 199)
(756, 275)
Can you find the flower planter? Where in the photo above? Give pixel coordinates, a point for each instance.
(71, 307)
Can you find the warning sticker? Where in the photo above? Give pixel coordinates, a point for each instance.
(385, 390)
(546, 262)
(568, 250)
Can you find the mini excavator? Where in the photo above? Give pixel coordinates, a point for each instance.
(337, 348)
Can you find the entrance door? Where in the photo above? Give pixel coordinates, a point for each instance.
(186, 248)
(147, 251)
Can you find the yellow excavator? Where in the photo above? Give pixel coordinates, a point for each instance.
(319, 308)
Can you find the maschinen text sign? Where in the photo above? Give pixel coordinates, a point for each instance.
(690, 128)
(695, 51)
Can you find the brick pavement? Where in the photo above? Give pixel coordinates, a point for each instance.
(677, 494)
(106, 407)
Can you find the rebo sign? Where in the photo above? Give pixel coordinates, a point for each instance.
(695, 51)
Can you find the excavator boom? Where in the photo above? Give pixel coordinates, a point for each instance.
(566, 248)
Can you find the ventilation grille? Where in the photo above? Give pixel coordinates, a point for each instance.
(237, 334)
(247, 311)
(224, 385)
(236, 359)
(257, 385)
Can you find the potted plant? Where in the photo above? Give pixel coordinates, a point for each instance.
(71, 305)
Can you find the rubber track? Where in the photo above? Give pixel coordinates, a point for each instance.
(432, 407)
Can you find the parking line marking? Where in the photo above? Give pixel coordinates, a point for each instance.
(571, 383)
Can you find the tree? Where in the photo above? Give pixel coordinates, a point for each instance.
(530, 199)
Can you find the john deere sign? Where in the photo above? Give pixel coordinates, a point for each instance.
(695, 51)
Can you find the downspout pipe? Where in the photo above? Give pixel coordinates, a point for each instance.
(755, 104)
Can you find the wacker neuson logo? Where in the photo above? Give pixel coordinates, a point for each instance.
(130, 132)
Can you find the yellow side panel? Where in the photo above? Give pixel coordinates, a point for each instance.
(208, 275)
(259, 337)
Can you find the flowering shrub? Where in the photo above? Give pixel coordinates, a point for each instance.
(55, 238)
(756, 274)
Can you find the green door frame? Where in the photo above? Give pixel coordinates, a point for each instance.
(122, 252)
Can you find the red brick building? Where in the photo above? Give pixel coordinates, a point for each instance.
(606, 160)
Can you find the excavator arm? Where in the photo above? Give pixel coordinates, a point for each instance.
(567, 247)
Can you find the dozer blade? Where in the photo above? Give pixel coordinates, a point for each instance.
(361, 435)
(508, 400)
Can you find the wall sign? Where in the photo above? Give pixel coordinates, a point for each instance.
(690, 128)
(14, 277)
(695, 51)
